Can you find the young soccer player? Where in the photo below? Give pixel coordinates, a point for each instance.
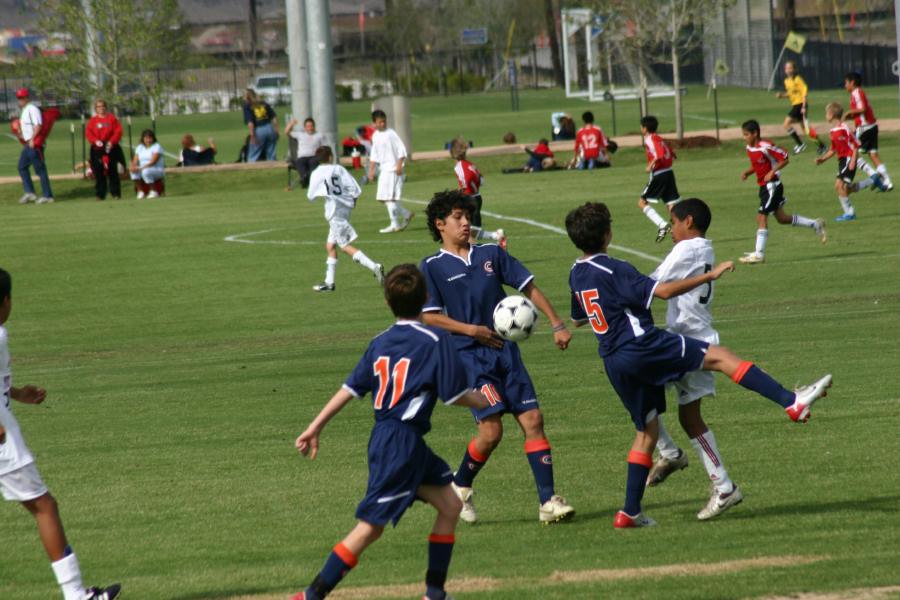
(866, 127)
(470, 181)
(846, 146)
(389, 158)
(662, 179)
(465, 283)
(767, 160)
(690, 314)
(796, 91)
(590, 145)
(640, 359)
(340, 191)
(19, 477)
(406, 369)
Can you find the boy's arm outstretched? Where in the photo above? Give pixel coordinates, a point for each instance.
(481, 333)
(308, 441)
(670, 289)
(561, 335)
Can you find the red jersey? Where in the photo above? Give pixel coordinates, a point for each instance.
(105, 129)
(468, 177)
(659, 151)
(763, 157)
(843, 142)
(589, 141)
(859, 101)
(367, 132)
(543, 150)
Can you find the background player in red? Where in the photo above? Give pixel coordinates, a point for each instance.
(103, 133)
(662, 184)
(470, 181)
(766, 160)
(846, 146)
(591, 145)
(866, 127)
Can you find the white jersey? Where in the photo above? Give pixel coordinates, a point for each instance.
(337, 186)
(14, 454)
(29, 119)
(689, 313)
(387, 149)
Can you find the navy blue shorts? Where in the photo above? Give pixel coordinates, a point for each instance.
(399, 462)
(639, 370)
(501, 376)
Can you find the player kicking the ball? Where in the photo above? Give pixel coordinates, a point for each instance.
(19, 477)
(465, 283)
(640, 359)
(406, 369)
(662, 184)
(340, 191)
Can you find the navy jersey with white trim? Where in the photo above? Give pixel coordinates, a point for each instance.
(406, 369)
(614, 297)
(467, 290)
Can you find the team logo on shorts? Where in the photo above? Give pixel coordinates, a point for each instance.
(547, 459)
(488, 266)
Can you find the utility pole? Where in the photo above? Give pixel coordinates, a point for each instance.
(91, 45)
(251, 22)
(298, 58)
(321, 69)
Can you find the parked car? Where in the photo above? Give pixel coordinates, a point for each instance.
(274, 88)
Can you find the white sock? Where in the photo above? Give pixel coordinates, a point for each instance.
(68, 575)
(866, 166)
(665, 444)
(330, 268)
(706, 448)
(882, 170)
(867, 182)
(392, 212)
(801, 221)
(654, 216)
(846, 205)
(482, 234)
(761, 236)
(361, 258)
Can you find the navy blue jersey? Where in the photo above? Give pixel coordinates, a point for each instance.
(406, 369)
(468, 290)
(614, 297)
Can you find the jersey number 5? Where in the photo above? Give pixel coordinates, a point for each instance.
(382, 369)
(589, 301)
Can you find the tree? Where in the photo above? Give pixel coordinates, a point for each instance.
(129, 40)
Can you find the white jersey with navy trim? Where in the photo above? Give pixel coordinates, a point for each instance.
(339, 188)
(689, 313)
(387, 149)
(14, 454)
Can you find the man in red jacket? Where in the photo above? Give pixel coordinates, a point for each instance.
(104, 132)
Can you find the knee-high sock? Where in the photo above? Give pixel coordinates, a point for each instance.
(801, 221)
(471, 464)
(651, 214)
(708, 451)
(639, 465)
(338, 564)
(68, 576)
(755, 379)
(867, 182)
(762, 235)
(882, 170)
(665, 444)
(440, 550)
(866, 166)
(846, 205)
(330, 268)
(541, 461)
(361, 258)
(793, 133)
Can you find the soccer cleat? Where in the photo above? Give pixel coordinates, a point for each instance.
(804, 398)
(662, 232)
(822, 149)
(153, 194)
(388, 229)
(44, 200)
(324, 287)
(626, 521)
(379, 274)
(845, 217)
(446, 597)
(406, 221)
(501, 238)
(107, 593)
(26, 198)
(665, 467)
(752, 258)
(141, 195)
(799, 148)
(878, 183)
(554, 510)
(465, 494)
(719, 503)
(819, 227)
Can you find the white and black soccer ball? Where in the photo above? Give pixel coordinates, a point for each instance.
(514, 318)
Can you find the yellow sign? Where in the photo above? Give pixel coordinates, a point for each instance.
(795, 42)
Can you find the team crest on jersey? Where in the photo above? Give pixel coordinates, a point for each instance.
(488, 266)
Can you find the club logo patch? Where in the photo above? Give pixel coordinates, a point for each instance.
(547, 460)
(488, 266)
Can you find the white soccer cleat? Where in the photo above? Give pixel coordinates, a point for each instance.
(141, 195)
(406, 221)
(26, 198)
(465, 494)
(379, 273)
(804, 398)
(388, 229)
(554, 510)
(663, 467)
(819, 227)
(752, 258)
(44, 200)
(153, 194)
(719, 503)
(626, 521)
(799, 148)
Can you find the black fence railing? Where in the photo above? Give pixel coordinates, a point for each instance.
(823, 64)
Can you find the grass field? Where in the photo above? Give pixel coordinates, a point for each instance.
(482, 118)
(180, 368)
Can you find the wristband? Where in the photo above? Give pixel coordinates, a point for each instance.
(560, 327)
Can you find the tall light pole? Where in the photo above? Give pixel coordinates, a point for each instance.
(298, 58)
(321, 69)
(91, 45)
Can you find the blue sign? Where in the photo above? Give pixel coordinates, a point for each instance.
(474, 37)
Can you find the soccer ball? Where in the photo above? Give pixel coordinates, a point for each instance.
(514, 318)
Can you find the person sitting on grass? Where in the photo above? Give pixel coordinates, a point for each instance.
(193, 154)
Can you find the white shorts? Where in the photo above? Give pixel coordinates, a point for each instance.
(23, 484)
(697, 384)
(340, 232)
(390, 185)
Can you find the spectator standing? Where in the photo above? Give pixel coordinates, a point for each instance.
(103, 133)
(30, 125)
(308, 141)
(148, 167)
(262, 125)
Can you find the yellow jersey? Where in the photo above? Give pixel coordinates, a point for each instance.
(796, 89)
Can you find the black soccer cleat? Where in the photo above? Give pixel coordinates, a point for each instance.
(107, 593)
(324, 287)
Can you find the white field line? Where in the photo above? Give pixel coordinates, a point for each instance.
(241, 239)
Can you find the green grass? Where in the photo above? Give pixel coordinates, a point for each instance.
(483, 118)
(180, 368)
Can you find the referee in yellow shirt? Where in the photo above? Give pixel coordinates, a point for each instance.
(796, 90)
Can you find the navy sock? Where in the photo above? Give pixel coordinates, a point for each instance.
(469, 467)
(753, 378)
(795, 136)
(639, 465)
(339, 563)
(440, 550)
(541, 461)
